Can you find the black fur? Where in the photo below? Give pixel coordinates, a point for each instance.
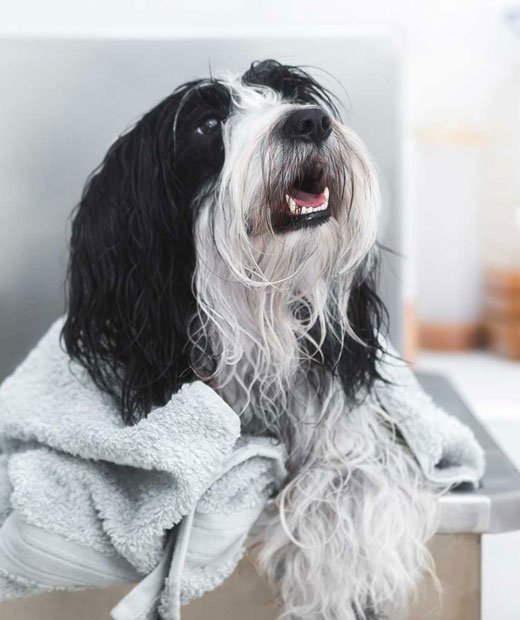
(352, 361)
(293, 83)
(132, 254)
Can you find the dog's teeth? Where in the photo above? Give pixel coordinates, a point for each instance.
(292, 205)
(298, 210)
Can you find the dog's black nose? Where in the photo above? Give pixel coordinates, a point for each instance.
(309, 124)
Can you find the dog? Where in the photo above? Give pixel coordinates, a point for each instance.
(230, 236)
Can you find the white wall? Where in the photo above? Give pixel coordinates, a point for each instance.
(455, 46)
(459, 52)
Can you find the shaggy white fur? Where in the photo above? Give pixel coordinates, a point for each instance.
(347, 535)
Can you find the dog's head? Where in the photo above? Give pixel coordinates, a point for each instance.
(232, 198)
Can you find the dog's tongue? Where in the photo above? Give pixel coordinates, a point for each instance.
(304, 199)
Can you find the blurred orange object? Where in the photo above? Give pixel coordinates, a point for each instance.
(442, 336)
(502, 312)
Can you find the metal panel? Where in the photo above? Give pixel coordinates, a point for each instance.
(64, 101)
(495, 505)
(246, 595)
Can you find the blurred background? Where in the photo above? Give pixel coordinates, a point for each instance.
(433, 88)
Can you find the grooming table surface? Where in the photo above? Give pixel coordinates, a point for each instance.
(495, 505)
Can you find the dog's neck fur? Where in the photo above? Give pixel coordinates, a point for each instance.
(260, 346)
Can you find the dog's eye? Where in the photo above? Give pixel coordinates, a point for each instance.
(209, 125)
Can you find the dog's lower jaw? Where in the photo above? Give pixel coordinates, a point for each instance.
(346, 538)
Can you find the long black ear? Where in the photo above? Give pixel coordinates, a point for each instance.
(354, 361)
(132, 257)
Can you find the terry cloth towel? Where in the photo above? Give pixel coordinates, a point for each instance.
(86, 501)
(445, 449)
(79, 480)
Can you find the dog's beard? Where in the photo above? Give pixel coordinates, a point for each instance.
(350, 526)
(267, 299)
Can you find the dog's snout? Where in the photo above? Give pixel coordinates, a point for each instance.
(308, 124)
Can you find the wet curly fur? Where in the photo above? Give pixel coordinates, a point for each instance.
(186, 264)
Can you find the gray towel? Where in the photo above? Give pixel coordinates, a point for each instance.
(168, 501)
(445, 449)
(76, 471)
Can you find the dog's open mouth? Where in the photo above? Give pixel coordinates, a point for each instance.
(307, 202)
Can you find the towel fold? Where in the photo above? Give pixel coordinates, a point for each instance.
(445, 449)
(169, 501)
(72, 469)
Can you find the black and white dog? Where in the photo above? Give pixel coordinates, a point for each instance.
(230, 236)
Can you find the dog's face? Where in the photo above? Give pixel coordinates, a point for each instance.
(266, 155)
(277, 156)
(234, 200)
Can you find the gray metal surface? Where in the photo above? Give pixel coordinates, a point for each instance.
(495, 506)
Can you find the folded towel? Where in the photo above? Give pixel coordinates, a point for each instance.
(169, 501)
(76, 471)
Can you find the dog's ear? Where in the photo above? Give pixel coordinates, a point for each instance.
(354, 359)
(368, 319)
(129, 284)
